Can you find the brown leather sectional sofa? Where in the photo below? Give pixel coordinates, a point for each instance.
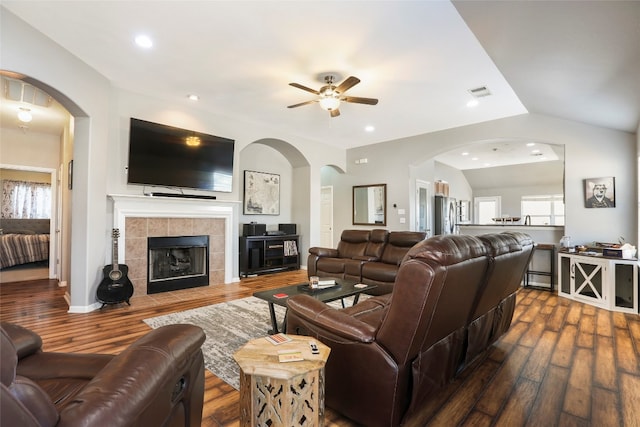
(157, 381)
(453, 297)
(367, 256)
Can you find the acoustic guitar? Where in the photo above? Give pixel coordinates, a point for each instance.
(115, 286)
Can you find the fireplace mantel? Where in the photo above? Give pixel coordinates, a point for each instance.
(125, 205)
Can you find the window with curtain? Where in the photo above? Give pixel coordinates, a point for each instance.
(23, 199)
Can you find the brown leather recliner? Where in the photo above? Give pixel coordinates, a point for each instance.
(372, 257)
(157, 381)
(332, 262)
(383, 273)
(453, 297)
(390, 352)
(510, 254)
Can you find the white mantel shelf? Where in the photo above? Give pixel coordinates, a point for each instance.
(127, 205)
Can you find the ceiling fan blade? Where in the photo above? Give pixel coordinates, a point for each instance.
(347, 84)
(302, 103)
(358, 100)
(335, 112)
(308, 89)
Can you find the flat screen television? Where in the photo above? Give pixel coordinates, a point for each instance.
(162, 155)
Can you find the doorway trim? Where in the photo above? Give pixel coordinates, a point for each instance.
(422, 184)
(326, 209)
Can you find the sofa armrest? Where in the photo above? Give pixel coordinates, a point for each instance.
(328, 252)
(329, 319)
(142, 385)
(24, 340)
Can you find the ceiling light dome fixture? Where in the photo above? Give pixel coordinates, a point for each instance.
(329, 102)
(329, 97)
(24, 115)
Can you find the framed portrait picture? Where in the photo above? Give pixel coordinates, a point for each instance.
(600, 192)
(261, 193)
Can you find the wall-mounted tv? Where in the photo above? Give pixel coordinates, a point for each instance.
(162, 155)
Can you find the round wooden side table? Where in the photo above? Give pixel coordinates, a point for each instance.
(274, 393)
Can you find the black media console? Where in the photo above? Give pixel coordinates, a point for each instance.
(268, 254)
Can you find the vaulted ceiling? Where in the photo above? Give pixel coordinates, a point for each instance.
(573, 60)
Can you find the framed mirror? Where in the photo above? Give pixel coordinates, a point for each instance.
(370, 204)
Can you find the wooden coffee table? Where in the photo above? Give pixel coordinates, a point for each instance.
(344, 288)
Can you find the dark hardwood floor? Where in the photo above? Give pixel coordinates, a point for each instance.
(561, 363)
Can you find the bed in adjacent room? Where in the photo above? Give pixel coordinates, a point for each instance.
(23, 241)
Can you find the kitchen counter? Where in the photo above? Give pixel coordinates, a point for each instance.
(539, 233)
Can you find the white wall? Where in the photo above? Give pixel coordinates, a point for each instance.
(459, 187)
(29, 148)
(85, 94)
(101, 128)
(590, 151)
(261, 158)
(510, 197)
(100, 145)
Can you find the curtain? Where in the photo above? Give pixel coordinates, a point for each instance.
(23, 199)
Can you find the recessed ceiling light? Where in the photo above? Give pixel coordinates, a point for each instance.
(465, 153)
(487, 164)
(144, 41)
(535, 151)
(193, 97)
(530, 144)
(474, 158)
(472, 103)
(369, 128)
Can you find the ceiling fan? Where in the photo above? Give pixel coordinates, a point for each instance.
(331, 95)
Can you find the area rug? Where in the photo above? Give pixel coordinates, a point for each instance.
(228, 326)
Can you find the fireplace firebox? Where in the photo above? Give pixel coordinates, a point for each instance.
(177, 263)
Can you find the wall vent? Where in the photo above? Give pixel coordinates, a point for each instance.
(480, 92)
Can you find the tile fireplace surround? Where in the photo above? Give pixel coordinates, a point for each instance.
(139, 217)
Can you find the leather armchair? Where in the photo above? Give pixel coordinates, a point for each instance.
(157, 381)
(390, 352)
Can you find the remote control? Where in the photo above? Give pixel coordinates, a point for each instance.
(314, 348)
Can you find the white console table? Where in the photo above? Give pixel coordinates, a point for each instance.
(608, 283)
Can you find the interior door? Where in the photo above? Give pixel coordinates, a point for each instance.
(326, 217)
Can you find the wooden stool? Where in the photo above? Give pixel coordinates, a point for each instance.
(274, 393)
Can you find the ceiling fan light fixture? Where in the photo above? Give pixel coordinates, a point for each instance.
(329, 102)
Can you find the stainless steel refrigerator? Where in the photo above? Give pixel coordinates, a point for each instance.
(445, 215)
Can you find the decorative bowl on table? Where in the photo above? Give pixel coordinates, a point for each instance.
(504, 219)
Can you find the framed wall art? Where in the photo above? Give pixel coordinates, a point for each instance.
(600, 192)
(261, 193)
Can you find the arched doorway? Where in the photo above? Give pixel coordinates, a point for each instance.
(40, 143)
